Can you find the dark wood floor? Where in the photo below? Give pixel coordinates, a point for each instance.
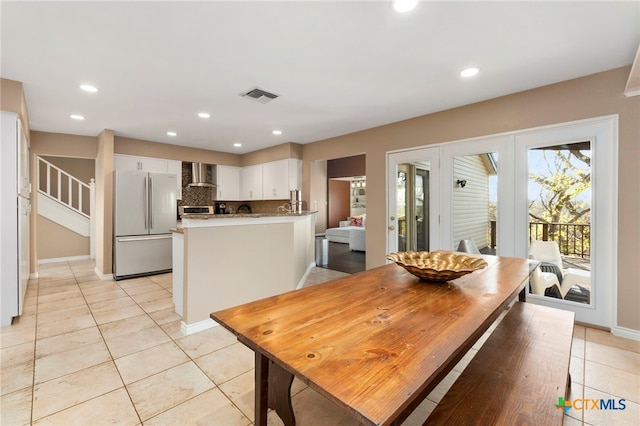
(340, 258)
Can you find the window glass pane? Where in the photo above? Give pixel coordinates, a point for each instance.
(475, 200)
(413, 206)
(559, 193)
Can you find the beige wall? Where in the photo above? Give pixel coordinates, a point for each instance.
(63, 145)
(174, 152)
(83, 169)
(12, 99)
(274, 153)
(592, 96)
(55, 241)
(317, 199)
(104, 202)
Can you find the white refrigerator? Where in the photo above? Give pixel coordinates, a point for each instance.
(144, 212)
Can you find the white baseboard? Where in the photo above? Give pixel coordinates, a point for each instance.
(306, 274)
(626, 333)
(63, 259)
(187, 329)
(103, 277)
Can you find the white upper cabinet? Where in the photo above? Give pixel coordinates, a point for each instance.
(148, 164)
(279, 177)
(228, 181)
(144, 164)
(251, 182)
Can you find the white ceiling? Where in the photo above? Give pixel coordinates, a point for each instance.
(339, 67)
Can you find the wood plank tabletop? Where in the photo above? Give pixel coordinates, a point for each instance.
(376, 342)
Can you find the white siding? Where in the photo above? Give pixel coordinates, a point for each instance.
(471, 203)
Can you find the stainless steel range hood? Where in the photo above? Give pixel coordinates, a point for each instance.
(201, 176)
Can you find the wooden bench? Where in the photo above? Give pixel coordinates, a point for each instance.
(518, 374)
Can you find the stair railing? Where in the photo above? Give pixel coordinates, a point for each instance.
(59, 185)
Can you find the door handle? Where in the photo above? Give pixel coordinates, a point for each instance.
(131, 239)
(146, 203)
(392, 218)
(150, 203)
(391, 227)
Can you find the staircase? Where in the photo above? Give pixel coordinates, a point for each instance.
(65, 200)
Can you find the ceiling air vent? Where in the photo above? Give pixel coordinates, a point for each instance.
(259, 95)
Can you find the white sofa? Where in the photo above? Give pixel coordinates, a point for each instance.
(357, 239)
(348, 234)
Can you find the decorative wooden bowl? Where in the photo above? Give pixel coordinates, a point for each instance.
(438, 266)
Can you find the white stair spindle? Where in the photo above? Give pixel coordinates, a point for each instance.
(59, 194)
(80, 197)
(69, 190)
(48, 179)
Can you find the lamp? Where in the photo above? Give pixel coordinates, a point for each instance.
(461, 183)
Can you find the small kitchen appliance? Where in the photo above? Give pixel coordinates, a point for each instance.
(182, 210)
(295, 201)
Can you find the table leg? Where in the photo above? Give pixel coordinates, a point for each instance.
(280, 382)
(261, 389)
(522, 297)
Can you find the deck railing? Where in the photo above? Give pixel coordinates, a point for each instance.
(573, 239)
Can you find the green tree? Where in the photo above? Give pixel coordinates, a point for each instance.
(567, 175)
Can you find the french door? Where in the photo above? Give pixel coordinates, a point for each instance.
(477, 190)
(413, 214)
(481, 190)
(576, 163)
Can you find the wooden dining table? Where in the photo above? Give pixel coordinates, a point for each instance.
(375, 343)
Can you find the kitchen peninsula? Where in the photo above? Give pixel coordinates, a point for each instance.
(220, 261)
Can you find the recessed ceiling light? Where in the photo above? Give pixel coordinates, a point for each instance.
(237, 145)
(469, 72)
(172, 134)
(89, 88)
(404, 5)
(204, 115)
(76, 116)
(277, 132)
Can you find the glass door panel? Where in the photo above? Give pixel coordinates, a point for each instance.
(413, 192)
(559, 220)
(421, 203)
(475, 203)
(412, 206)
(402, 207)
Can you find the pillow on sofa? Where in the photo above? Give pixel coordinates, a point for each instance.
(356, 221)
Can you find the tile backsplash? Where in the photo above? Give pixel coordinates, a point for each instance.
(194, 195)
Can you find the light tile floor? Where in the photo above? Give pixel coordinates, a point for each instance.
(91, 352)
